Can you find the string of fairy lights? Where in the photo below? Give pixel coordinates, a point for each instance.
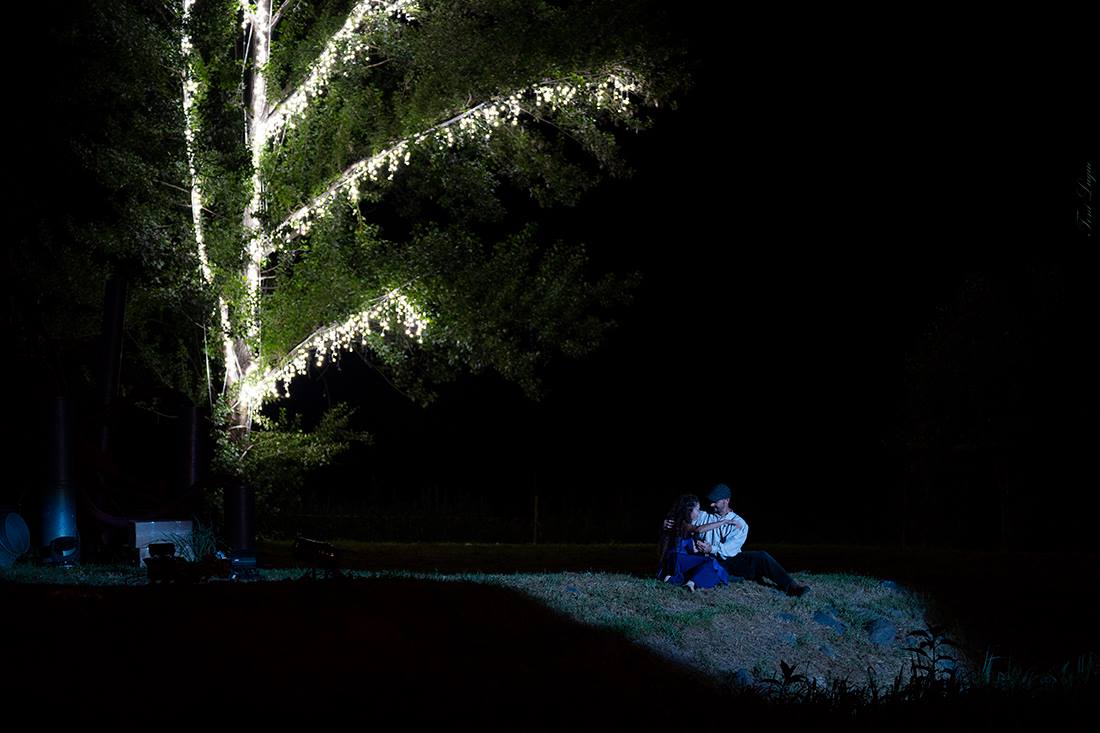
(258, 15)
(190, 88)
(392, 310)
(190, 132)
(347, 45)
(612, 90)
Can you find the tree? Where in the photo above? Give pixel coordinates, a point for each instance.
(377, 203)
(340, 175)
(391, 202)
(101, 174)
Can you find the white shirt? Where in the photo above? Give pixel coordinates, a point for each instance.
(725, 541)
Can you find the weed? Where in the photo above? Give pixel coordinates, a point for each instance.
(789, 677)
(201, 543)
(933, 666)
(1073, 676)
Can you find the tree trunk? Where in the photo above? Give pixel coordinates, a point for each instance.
(240, 512)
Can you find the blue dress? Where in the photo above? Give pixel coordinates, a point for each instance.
(683, 565)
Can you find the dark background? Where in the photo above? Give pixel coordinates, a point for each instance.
(802, 226)
(816, 205)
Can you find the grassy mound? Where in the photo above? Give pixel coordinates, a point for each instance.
(725, 633)
(746, 627)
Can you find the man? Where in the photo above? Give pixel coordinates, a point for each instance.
(725, 542)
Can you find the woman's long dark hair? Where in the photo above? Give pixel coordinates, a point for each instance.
(680, 515)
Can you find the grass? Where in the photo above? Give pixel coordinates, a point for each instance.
(743, 626)
(1078, 674)
(718, 631)
(91, 575)
(725, 633)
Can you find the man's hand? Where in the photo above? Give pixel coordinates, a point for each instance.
(702, 546)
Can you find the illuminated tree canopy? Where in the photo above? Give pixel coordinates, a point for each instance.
(363, 175)
(279, 183)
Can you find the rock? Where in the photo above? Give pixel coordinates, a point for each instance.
(947, 665)
(881, 631)
(742, 678)
(827, 651)
(827, 617)
(787, 618)
(788, 637)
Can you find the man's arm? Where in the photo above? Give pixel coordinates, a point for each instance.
(733, 541)
(710, 542)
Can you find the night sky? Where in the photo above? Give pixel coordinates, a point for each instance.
(801, 219)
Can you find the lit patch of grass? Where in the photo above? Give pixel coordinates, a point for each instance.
(641, 609)
(105, 575)
(744, 625)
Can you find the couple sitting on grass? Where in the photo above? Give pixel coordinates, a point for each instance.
(701, 549)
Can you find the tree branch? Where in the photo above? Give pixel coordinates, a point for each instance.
(183, 190)
(294, 225)
(244, 64)
(380, 373)
(172, 185)
(317, 78)
(158, 413)
(559, 128)
(336, 324)
(279, 13)
(349, 174)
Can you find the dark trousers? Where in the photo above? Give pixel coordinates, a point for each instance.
(757, 565)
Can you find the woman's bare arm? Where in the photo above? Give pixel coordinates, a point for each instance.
(715, 525)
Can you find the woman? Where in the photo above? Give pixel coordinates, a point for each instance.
(681, 562)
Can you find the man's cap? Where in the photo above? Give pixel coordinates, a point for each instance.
(719, 492)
